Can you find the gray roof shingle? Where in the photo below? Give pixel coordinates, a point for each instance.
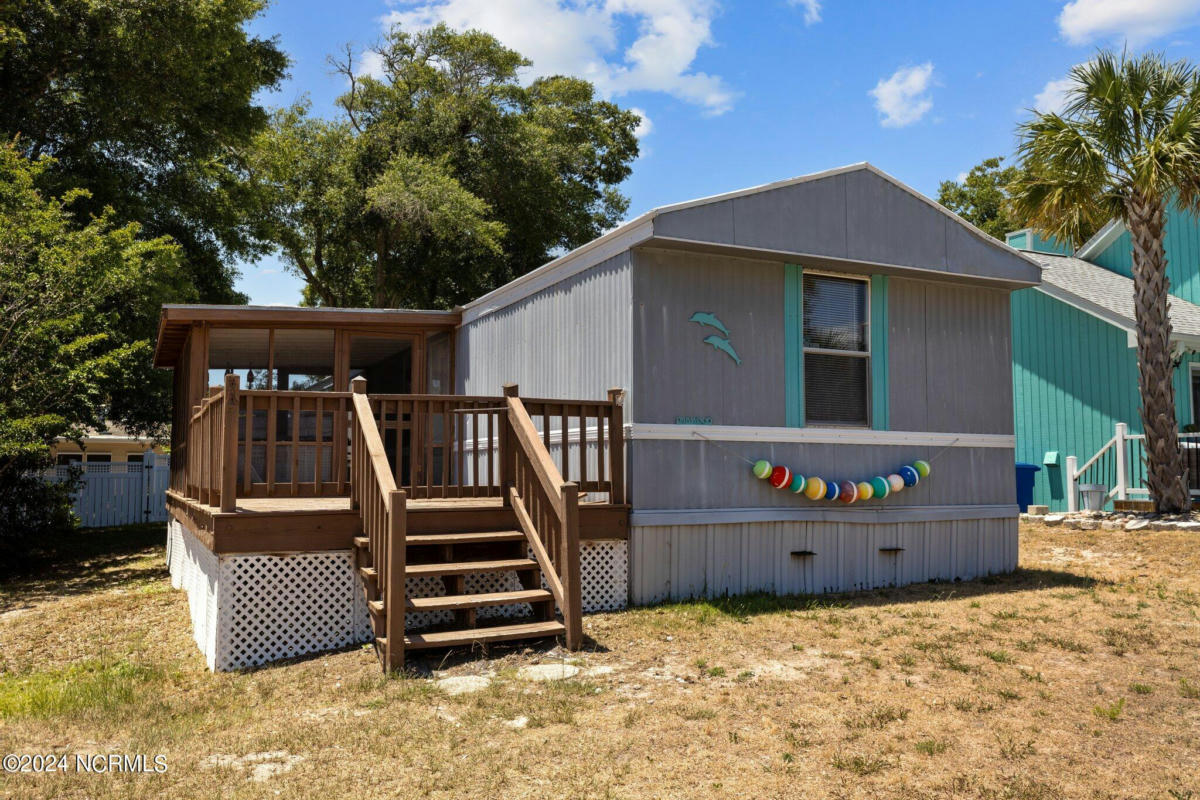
(1109, 294)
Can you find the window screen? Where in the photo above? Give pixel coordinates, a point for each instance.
(836, 351)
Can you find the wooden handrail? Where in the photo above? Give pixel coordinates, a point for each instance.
(382, 509)
(377, 459)
(539, 459)
(547, 509)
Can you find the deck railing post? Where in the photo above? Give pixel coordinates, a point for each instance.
(1072, 483)
(357, 386)
(229, 443)
(504, 446)
(572, 592)
(616, 446)
(394, 599)
(1121, 442)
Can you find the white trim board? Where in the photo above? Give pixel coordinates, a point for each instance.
(1109, 233)
(611, 244)
(866, 436)
(813, 513)
(836, 265)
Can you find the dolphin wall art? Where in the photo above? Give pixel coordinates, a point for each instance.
(710, 319)
(724, 346)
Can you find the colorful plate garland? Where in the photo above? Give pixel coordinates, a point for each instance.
(815, 488)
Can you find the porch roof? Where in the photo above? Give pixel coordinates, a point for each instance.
(1109, 296)
(176, 320)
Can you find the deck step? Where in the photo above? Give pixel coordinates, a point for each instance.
(473, 537)
(465, 567)
(502, 633)
(459, 602)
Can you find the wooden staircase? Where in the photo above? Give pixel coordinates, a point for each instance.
(453, 557)
(543, 552)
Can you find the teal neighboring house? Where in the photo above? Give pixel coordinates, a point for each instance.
(1074, 350)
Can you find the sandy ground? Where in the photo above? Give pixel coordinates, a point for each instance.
(1078, 676)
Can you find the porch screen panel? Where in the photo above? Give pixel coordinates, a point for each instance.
(245, 352)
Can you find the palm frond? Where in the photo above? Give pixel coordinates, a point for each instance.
(1062, 190)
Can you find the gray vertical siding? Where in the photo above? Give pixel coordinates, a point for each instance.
(950, 351)
(680, 562)
(674, 372)
(682, 474)
(949, 348)
(858, 215)
(571, 340)
(625, 322)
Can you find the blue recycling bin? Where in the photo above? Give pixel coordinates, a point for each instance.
(1025, 475)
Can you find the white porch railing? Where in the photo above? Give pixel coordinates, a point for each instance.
(1121, 465)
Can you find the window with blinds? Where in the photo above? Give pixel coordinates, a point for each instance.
(837, 351)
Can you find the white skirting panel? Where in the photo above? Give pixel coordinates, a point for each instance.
(252, 609)
(194, 568)
(682, 561)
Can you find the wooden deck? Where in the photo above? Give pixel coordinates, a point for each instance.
(295, 524)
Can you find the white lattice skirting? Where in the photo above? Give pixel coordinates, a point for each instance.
(253, 609)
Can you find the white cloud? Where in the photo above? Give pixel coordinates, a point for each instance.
(961, 177)
(904, 98)
(582, 38)
(1053, 96)
(812, 10)
(371, 63)
(644, 126)
(1136, 21)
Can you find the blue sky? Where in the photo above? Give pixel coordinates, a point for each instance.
(735, 94)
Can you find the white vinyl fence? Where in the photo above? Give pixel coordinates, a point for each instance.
(120, 494)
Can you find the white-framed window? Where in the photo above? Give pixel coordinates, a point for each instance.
(837, 349)
(97, 458)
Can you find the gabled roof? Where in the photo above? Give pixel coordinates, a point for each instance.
(1101, 239)
(1108, 295)
(856, 218)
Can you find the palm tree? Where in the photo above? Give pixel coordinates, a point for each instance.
(1126, 144)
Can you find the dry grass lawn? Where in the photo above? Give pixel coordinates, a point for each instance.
(1076, 677)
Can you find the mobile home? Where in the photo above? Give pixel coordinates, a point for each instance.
(590, 435)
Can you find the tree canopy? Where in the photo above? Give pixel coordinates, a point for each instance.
(444, 177)
(71, 296)
(981, 198)
(149, 105)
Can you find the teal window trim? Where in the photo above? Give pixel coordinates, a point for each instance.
(879, 352)
(793, 336)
